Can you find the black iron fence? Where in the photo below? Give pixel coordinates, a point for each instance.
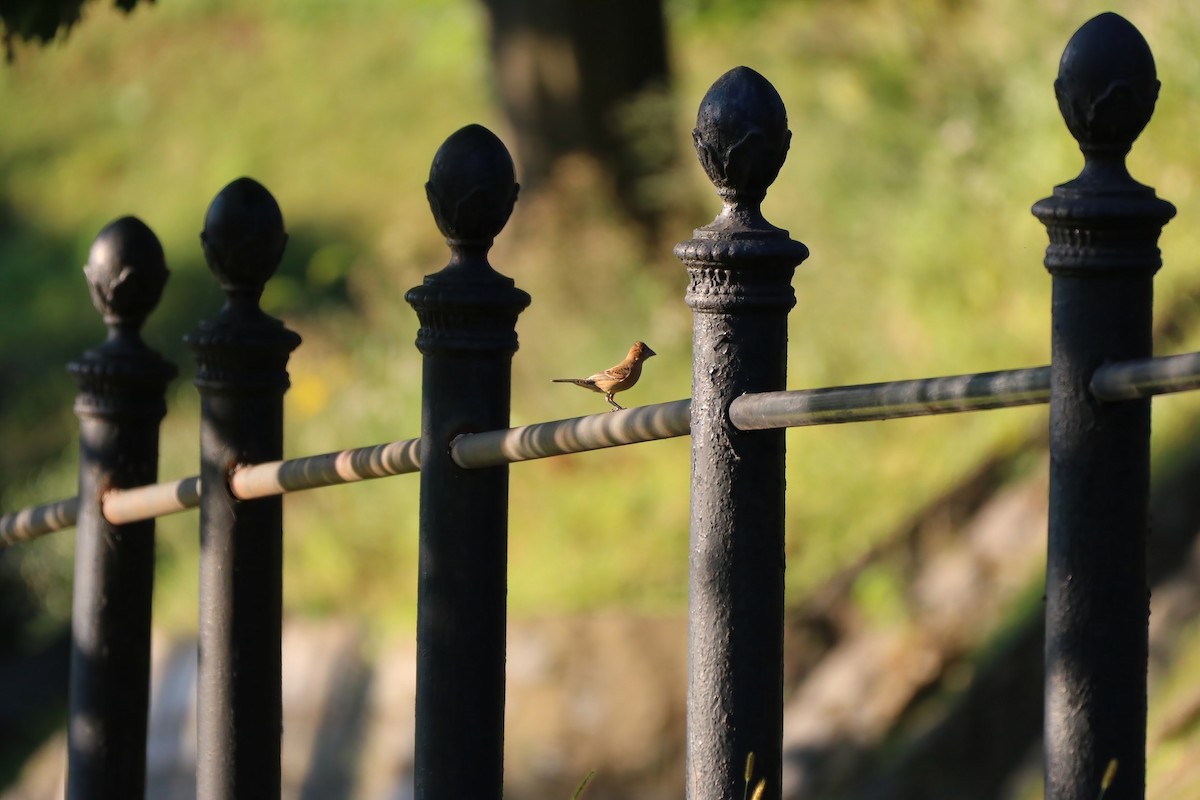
(1103, 253)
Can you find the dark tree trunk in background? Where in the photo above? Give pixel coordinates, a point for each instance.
(587, 78)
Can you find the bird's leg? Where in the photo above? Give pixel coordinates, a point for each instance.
(613, 403)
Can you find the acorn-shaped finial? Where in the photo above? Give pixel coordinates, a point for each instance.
(243, 236)
(126, 272)
(1107, 85)
(741, 135)
(472, 186)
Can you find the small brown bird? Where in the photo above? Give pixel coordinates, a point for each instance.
(618, 378)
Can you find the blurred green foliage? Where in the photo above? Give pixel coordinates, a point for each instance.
(922, 134)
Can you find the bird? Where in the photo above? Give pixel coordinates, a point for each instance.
(618, 378)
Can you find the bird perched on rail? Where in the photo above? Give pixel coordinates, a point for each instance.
(615, 379)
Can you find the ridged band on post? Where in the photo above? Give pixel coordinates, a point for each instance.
(1103, 253)
(468, 315)
(241, 372)
(120, 404)
(740, 292)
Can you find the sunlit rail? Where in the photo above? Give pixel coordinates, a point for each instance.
(1115, 382)
(248, 482)
(329, 469)
(892, 400)
(30, 523)
(577, 435)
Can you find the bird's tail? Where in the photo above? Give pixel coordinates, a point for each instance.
(577, 381)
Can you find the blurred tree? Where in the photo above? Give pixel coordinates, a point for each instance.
(42, 20)
(592, 79)
(586, 79)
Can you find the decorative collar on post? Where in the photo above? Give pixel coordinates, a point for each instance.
(1106, 88)
(472, 189)
(126, 272)
(243, 241)
(742, 140)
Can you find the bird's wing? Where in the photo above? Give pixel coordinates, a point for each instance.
(618, 373)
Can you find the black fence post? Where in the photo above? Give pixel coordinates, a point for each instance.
(1103, 253)
(468, 314)
(740, 292)
(241, 372)
(120, 404)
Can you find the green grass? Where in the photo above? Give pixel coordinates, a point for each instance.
(922, 135)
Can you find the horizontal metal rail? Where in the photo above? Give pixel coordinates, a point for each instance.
(1124, 380)
(892, 400)
(122, 506)
(30, 523)
(1130, 380)
(577, 435)
(329, 469)
(248, 482)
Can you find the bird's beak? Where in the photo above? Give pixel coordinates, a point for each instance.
(647, 352)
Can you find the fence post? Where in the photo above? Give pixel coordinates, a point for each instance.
(468, 315)
(740, 292)
(1103, 228)
(120, 404)
(241, 372)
